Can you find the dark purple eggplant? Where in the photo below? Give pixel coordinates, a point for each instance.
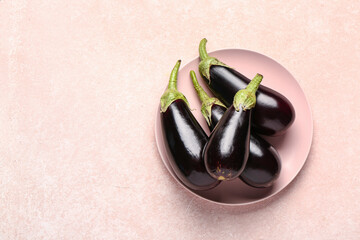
(273, 113)
(184, 138)
(227, 150)
(263, 165)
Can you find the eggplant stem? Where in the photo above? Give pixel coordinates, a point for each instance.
(207, 61)
(255, 83)
(202, 49)
(207, 102)
(199, 90)
(173, 76)
(246, 98)
(171, 93)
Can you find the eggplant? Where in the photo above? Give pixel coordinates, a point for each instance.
(273, 113)
(263, 165)
(227, 150)
(184, 138)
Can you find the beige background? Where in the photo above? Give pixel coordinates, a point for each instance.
(80, 82)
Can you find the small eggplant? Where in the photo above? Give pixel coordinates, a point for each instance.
(227, 150)
(184, 138)
(273, 113)
(263, 165)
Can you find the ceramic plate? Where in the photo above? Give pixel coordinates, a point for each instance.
(293, 147)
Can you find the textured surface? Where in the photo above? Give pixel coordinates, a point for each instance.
(80, 82)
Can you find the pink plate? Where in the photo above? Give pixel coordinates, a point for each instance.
(293, 147)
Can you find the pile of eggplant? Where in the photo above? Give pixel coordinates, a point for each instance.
(240, 112)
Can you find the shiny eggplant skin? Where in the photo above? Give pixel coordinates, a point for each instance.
(273, 113)
(263, 165)
(227, 151)
(185, 140)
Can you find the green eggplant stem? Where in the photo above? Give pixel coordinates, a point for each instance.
(173, 76)
(171, 93)
(207, 102)
(246, 98)
(202, 49)
(255, 83)
(207, 61)
(200, 91)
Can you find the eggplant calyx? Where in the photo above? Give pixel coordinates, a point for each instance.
(206, 101)
(205, 65)
(206, 107)
(245, 98)
(171, 93)
(207, 61)
(169, 96)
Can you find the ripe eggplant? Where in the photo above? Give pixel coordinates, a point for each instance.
(273, 113)
(263, 165)
(227, 150)
(184, 138)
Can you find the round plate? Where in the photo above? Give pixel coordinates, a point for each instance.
(293, 146)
